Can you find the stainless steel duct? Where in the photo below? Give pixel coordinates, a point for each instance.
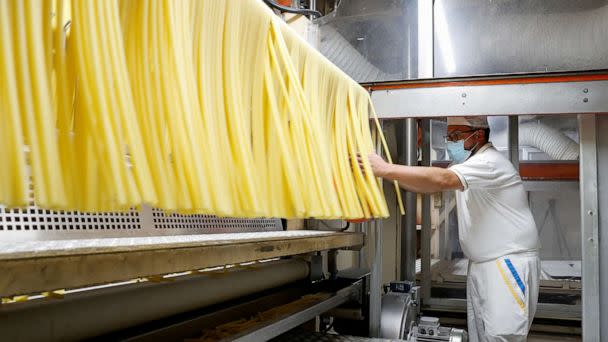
(377, 40)
(371, 40)
(476, 37)
(91, 313)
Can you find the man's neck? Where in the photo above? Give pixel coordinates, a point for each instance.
(478, 147)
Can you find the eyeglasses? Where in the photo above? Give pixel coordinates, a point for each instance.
(456, 135)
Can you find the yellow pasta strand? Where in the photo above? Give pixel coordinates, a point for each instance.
(193, 106)
(13, 175)
(35, 101)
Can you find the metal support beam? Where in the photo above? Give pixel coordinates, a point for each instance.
(456, 99)
(332, 264)
(359, 255)
(426, 216)
(589, 227)
(375, 287)
(375, 294)
(602, 185)
(408, 223)
(313, 7)
(514, 141)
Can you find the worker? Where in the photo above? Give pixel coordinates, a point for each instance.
(497, 232)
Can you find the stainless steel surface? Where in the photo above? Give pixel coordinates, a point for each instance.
(408, 228)
(551, 186)
(38, 249)
(513, 128)
(474, 37)
(372, 40)
(90, 313)
(425, 238)
(35, 224)
(285, 324)
(375, 291)
(46, 266)
(589, 227)
(602, 186)
(510, 99)
(425, 38)
(398, 314)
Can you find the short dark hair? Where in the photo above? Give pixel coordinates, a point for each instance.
(487, 130)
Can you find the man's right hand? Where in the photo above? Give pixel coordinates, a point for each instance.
(378, 165)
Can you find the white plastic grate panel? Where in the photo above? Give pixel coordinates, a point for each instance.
(211, 223)
(36, 224)
(34, 218)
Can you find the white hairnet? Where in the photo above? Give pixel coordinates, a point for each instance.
(471, 121)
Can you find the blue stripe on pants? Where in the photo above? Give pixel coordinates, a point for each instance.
(520, 283)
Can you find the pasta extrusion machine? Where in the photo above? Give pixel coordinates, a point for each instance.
(146, 275)
(88, 275)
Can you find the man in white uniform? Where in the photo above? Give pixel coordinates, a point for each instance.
(496, 228)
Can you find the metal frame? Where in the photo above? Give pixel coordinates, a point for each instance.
(544, 310)
(375, 291)
(425, 238)
(408, 223)
(375, 286)
(537, 95)
(285, 324)
(513, 137)
(37, 224)
(589, 227)
(506, 99)
(602, 164)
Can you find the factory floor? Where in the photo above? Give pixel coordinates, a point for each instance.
(541, 337)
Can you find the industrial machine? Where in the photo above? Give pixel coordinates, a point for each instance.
(401, 317)
(146, 275)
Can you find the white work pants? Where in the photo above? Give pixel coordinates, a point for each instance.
(501, 297)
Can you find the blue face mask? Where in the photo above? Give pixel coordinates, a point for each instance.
(457, 152)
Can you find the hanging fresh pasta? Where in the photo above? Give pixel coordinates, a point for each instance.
(200, 106)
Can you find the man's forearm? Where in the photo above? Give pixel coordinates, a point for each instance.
(423, 179)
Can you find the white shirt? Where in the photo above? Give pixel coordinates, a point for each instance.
(494, 218)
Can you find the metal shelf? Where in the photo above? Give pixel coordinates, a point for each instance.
(297, 317)
(37, 266)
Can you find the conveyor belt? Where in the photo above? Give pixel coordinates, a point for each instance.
(36, 266)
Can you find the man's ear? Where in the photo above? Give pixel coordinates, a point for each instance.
(481, 135)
